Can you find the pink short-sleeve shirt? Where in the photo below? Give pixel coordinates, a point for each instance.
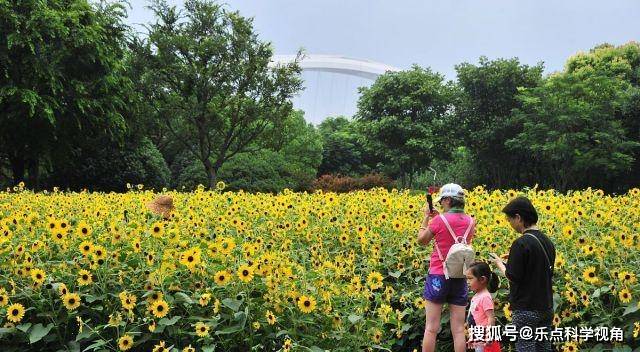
(481, 302)
(459, 223)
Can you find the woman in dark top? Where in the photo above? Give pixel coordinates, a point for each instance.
(530, 272)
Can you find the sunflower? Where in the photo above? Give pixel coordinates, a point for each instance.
(507, 311)
(374, 280)
(160, 347)
(15, 313)
(85, 247)
(154, 296)
(114, 320)
(38, 276)
(85, 277)
(71, 301)
(159, 308)
(571, 346)
(376, 336)
(127, 300)
(62, 289)
(222, 277)
(204, 299)
(306, 304)
(189, 349)
(136, 245)
(627, 278)
(624, 295)
(99, 252)
(125, 342)
(271, 319)
(191, 258)
(287, 345)
(157, 229)
(202, 329)
(589, 275)
(4, 298)
(83, 230)
(245, 273)
(585, 298)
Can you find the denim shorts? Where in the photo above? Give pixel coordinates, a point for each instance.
(439, 290)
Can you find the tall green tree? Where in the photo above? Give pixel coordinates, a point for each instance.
(570, 131)
(343, 150)
(623, 63)
(211, 82)
(284, 157)
(487, 95)
(60, 78)
(403, 115)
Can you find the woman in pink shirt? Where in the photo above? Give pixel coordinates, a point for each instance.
(438, 289)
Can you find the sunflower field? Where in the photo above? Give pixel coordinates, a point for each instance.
(233, 271)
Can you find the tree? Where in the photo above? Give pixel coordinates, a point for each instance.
(487, 95)
(570, 131)
(284, 157)
(403, 116)
(60, 77)
(623, 63)
(212, 84)
(105, 165)
(342, 148)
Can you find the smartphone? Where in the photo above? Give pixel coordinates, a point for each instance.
(430, 202)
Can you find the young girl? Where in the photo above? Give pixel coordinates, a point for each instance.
(483, 282)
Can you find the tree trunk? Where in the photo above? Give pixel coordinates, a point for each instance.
(212, 172)
(34, 173)
(17, 168)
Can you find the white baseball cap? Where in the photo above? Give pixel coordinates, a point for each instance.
(451, 190)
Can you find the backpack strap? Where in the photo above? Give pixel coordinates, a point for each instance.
(453, 234)
(472, 223)
(446, 224)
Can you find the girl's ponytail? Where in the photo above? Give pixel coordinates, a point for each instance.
(494, 282)
(480, 269)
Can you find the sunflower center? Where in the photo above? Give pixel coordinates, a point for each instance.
(15, 312)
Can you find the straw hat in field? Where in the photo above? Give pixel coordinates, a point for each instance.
(161, 205)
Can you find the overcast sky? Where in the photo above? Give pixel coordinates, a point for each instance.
(437, 34)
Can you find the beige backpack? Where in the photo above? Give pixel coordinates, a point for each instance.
(460, 255)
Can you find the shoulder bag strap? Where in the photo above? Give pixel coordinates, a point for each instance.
(543, 250)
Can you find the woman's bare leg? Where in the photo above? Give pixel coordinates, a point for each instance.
(432, 326)
(457, 327)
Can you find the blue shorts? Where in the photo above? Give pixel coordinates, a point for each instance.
(439, 290)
